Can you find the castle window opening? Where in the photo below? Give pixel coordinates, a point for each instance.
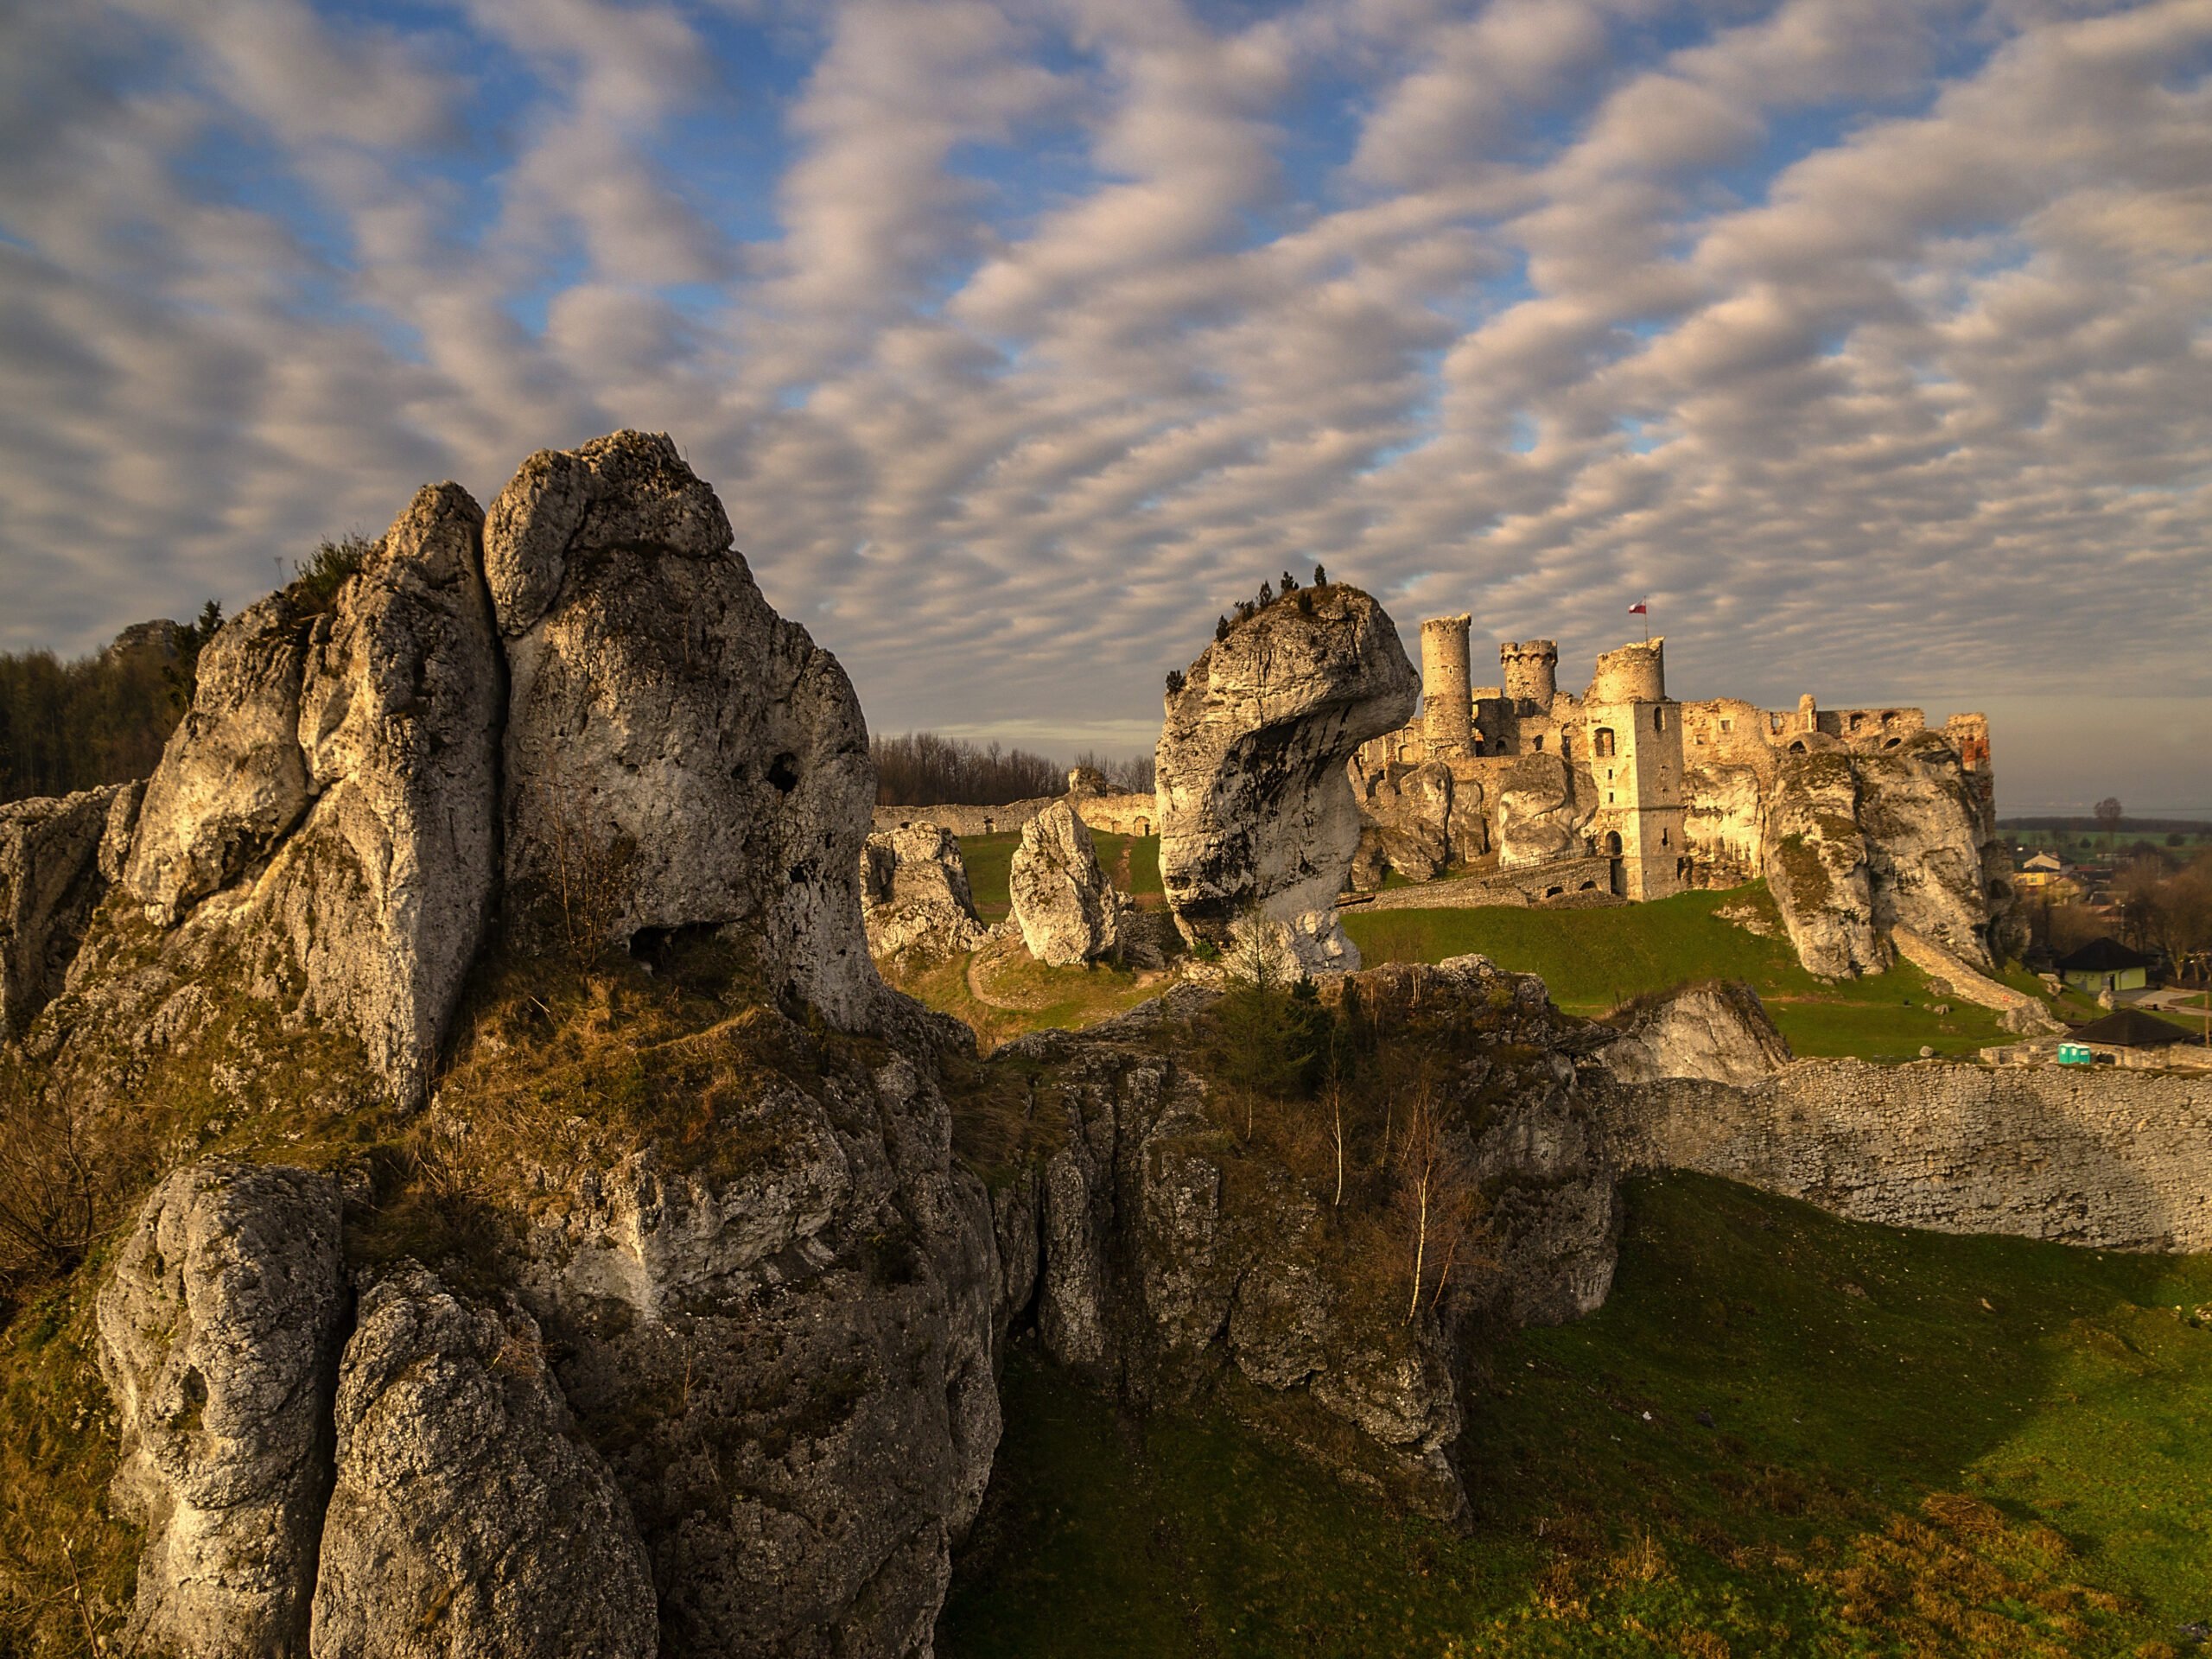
(1666, 837)
(1604, 741)
(1774, 723)
(1658, 720)
(1588, 886)
(1893, 742)
(1540, 742)
(1855, 718)
(1554, 893)
(1609, 797)
(1797, 747)
(1727, 724)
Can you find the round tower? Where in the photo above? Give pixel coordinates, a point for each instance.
(1634, 673)
(1447, 685)
(1531, 669)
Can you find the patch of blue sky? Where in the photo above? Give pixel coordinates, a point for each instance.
(556, 271)
(1644, 436)
(226, 165)
(1522, 434)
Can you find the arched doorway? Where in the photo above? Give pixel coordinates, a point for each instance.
(1619, 869)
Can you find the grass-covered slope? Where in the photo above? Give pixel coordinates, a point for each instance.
(1917, 1444)
(1131, 863)
(1593, 960)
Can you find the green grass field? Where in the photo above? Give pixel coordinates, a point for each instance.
(1918, 1445)
(1593, 960)
(1131, 863)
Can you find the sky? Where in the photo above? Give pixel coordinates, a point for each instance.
(1869, 340)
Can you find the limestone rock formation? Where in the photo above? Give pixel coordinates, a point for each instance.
(788, 1354)
(915, 900)
(218, 1333)
(384, 893)
(1721, 820)
(50, 881)
(1857, 844)
(677, 755)
(1155, 1266)
(322, 821)
(1718, 1030)
(1068, 913)
(1417, 822)
(232, 780)
(1257, 814)
(467, 1518)
(1536, 814)
(1816, 867)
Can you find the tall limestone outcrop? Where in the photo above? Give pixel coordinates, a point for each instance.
(318, 835)
(915, 902)
(677, 755)
(1068, 913)
(1536, 813)
(1257, 814)
(1857, 844)
(1418, 821)
(219, 1335)
(468, 1520)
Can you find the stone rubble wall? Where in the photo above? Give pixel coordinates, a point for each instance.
(1113, 815)
(2112, 1159)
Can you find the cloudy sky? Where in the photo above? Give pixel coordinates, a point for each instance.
(1870, 339)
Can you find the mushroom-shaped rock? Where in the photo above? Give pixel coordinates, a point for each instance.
(218, 1335)
(1067, 911)
(468, 1518)
(914, 896)
(1716, 1030)
(678, 754)
(1258, 819)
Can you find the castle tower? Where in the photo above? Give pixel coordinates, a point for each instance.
(1633, 737)
(1531, 671)
(1446, 687)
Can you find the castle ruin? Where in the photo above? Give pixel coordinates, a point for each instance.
(1669, 795)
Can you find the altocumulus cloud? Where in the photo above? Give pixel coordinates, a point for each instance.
(1868, 337)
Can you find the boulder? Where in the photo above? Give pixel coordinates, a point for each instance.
(219, 1335)
(1415, 824)
(468, 1518)
(1066, 909)
(1536, 815)
(51, 880)
(1718, 1030)
(1257, 815)
(677, 755)
(914, 898)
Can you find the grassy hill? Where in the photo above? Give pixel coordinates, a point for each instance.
(1593, 960)
(1785, 1434)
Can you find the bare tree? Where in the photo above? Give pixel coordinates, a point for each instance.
(1437, 1194)
(2107, 811)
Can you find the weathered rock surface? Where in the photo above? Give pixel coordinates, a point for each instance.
(1721, 820)
(232, 780)
(677, 755)
(1257, 814)
(467, 1517)
(384, 893)
(51, 880)
(1857, 844)
(1536, 813)
(1718, 1030)
(1417, 822)
(787, 1357)
(915, 900)
(1159, 1260)
(219, 1340)
(1068, 913)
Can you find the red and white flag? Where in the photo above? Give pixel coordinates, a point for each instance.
(1639, 609)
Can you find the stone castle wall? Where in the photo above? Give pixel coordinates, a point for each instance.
(1115, 815)
(2115, 1159)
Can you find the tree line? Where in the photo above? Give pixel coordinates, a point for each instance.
(67, 725)
(928, 769)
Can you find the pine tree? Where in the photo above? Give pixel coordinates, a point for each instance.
(1320, 577)
(1221, 628)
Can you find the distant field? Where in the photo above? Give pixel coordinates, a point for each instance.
(1131, 862)
(1594, 960)
(2087, 838)
(1784, 1434)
